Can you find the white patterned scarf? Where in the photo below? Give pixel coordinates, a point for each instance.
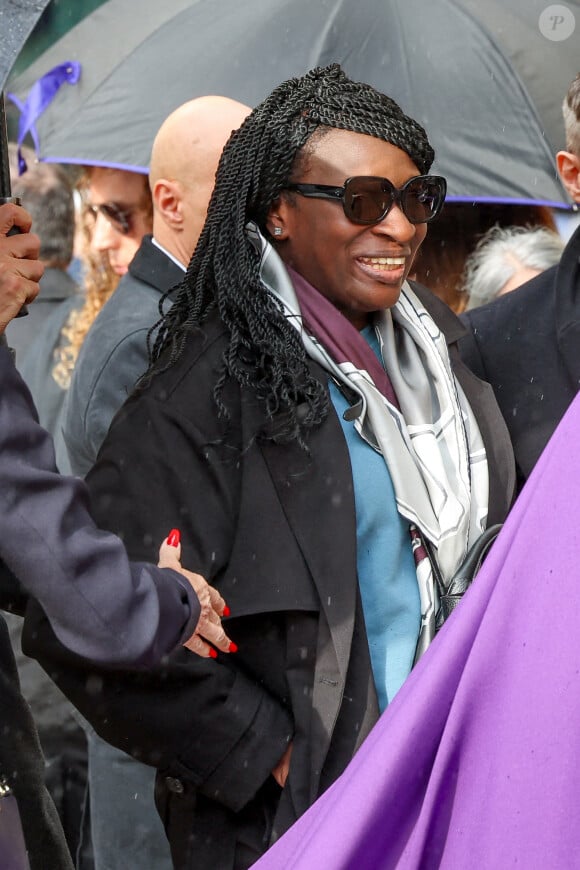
(416, 416)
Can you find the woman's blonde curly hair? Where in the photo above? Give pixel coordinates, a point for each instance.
(100, 282)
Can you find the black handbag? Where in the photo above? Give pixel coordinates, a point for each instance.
(450, 594)
(13, 855)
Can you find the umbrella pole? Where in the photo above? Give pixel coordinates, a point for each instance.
(5, 183)
(5, 186)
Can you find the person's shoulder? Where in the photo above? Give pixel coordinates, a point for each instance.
(124, 321)
(180, 386)
(524, 302)
(134, 300)
(198, 362)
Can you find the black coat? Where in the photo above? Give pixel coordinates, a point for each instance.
(526, 344)
(274, 528)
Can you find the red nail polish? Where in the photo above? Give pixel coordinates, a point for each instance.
(227, 610)
(212, 653)
(233, 647)
(174, 538)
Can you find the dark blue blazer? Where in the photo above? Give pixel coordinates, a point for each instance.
(526, 344)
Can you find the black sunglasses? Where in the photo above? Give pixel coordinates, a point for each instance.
(367, 199)
(117, 215)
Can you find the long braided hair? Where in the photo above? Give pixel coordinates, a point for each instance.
(265, 351)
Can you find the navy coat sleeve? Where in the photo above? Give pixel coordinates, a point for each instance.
(101, 606)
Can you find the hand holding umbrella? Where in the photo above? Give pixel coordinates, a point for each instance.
(17, 20)
(19, 261)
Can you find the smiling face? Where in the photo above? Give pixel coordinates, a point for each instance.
(360, 269)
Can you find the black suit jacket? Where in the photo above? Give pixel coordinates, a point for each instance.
(526, 344)
(274, 528)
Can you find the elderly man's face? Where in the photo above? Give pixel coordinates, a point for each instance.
(120, 203)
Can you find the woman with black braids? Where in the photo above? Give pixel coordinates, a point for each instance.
(307, 424)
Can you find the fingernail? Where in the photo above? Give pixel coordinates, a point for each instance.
(174, 538)
(227, 611)
(233, 647)
(212, 653)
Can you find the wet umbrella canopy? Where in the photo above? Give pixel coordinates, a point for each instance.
(17, 19)
(486, 79)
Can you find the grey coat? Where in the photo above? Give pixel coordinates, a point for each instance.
(114, 354)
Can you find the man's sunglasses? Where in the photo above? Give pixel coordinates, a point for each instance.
(367, 199)
(117, 215)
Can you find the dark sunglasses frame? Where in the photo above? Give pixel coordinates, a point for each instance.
(397, 195)
(117, 215)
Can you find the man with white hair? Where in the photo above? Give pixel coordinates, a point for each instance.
(527, 343)
(507, 257)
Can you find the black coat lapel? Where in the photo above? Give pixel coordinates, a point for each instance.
(155, 268)
(316, 493)
(317, 497)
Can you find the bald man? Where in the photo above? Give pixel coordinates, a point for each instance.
(184, 160)
(125, 828)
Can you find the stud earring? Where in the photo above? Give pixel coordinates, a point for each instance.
(277, 231)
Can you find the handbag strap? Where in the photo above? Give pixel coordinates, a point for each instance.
(469, 566)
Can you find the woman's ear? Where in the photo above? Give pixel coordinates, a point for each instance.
(277, 220)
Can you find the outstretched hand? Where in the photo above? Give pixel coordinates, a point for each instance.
(209, 632)
(20, 269)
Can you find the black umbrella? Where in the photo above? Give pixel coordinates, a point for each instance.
(485, 77)
(17, 20)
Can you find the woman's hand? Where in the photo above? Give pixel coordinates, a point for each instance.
(282, 769)
(209, 628)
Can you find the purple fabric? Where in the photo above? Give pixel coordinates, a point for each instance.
(476, 763)
(13, 854)
(39, 98)
(341, 339)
